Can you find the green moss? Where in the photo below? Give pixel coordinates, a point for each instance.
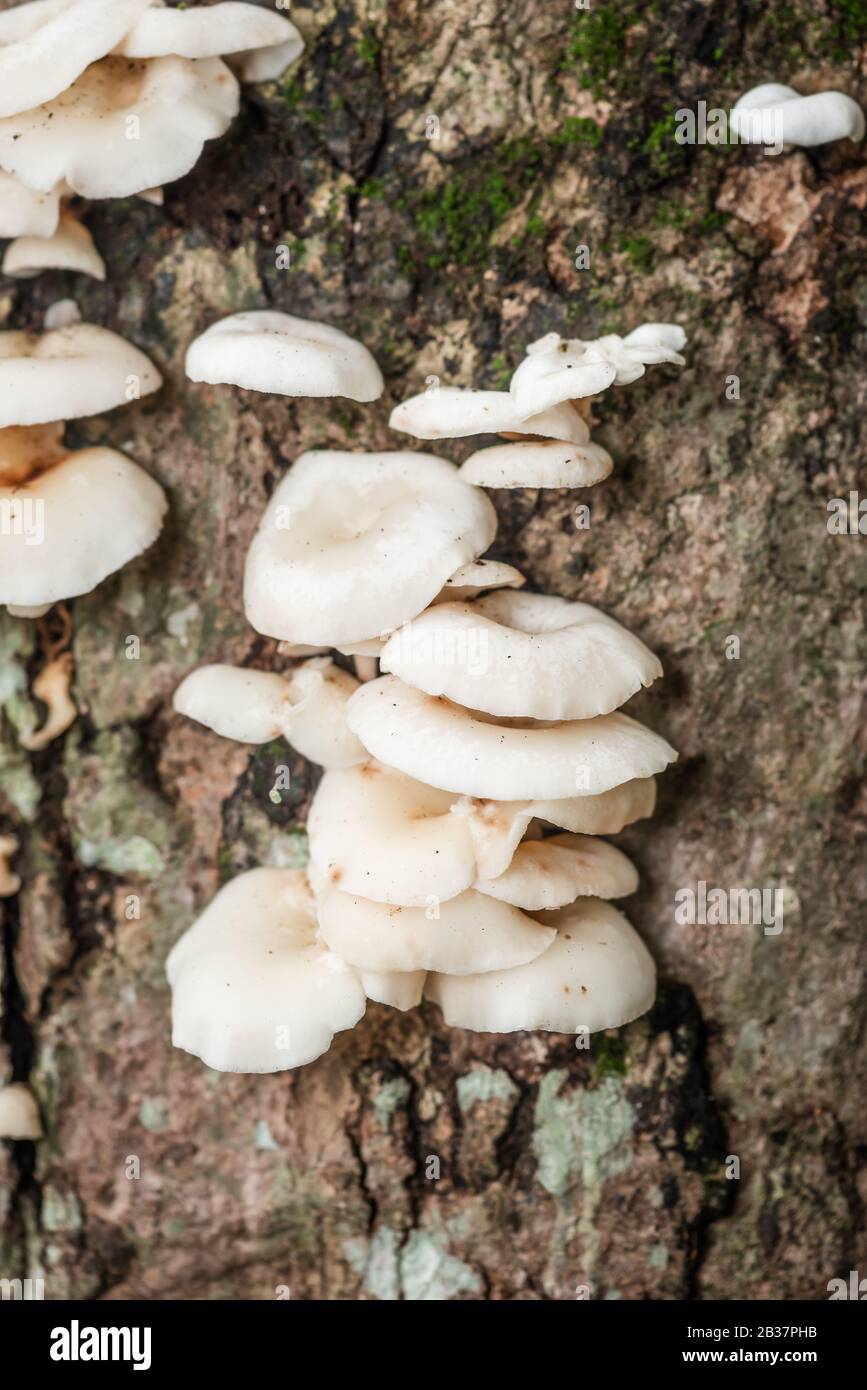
(659, 144)
(577, 130)
(367, 49)
(609, 1057)
(597, 46)
(639, 249)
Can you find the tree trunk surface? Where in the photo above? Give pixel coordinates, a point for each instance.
(414, 1161)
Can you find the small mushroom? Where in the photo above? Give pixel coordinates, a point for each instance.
(353, 545)
(382, 835)
(267, 350)
(537, 463)
(551, 873)
(476, 577)
(774, 112)
(25, 212)
(10, 883)
(453, 412)
(47, 44)
(51, 686)
(447, 746)
(307, 707)
(69, 247)
(597, 973)
(559, 369)
(399, 989)
(256, 43)
(122, 127)
(83, 514)
(254, 988)
(464, 935)
(69, 372)
(517, 654)
(19, 1113)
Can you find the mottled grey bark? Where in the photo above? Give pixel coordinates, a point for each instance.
(558, 1167)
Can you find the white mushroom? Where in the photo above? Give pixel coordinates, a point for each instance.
(26, 212)
(464, 935)
(382, 835)
(550, 873)
(772, 114)
(399, 989)
(604, 814)
(443, 744)
(538, 463)
(76, 517)
(254, 989)
(258, 44)
(597, 973)
(560, 369)
(123, 127)
(518, 654)
(453, 412)
(69, 247)
(19, 1113)
(267, 350)
(46, 45)
(68, 373)
(476, 577)
(307, 707)
(352, 545)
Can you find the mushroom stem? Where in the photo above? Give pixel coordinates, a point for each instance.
(27, 450)
(366, 668)
(52, 687)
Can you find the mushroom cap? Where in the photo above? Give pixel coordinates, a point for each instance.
(399, 989)
(26, 212)
(474, 578)
(68, 373)
(254, 989)
(258, 43)
(370, 541)
(563, 369)
(453, 412)
(443, 744)
(546, 874)
(799, 120)
(123, 127)
(267, 350)
(384, 836)
(604, 814)
(538, 463)
(97, 510)
(464, 935)
(19, 1113)
(69, 247)
(307, 707)
(45, 46)
(522, 655)
(597, 973)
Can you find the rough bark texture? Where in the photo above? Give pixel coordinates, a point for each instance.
(558, 1167)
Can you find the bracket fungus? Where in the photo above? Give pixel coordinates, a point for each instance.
(307, 707)
(267, 350)
(257, 43)
(456, 853)
(559, 369)
(69, 247)
(773, 112)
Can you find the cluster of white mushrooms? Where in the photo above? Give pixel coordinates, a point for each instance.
(70, 516)
(454, 838)
(113, 98)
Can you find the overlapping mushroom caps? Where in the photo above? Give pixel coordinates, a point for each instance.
(71, 517)
(773, 114)
(454, 838)
(545, 412)
(108, 98)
